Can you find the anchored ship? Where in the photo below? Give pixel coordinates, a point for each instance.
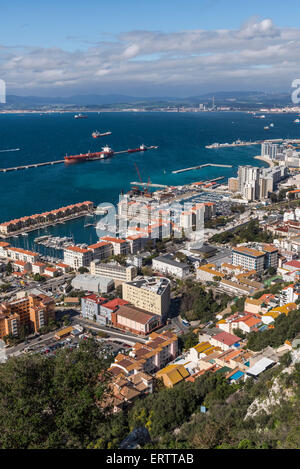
(80, 116)
(141, 148)
(98, 134)
(106, 152)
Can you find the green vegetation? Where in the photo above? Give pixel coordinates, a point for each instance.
(51, 402)
(285, 328)
(273, 289)
(250, 232)
(9, 268)
(164, 411)
(238, 208)
(188, 340)
(4, 287)
(82, 270)
(217, 222)
(39, 278)
(196, 303)
(239, 305)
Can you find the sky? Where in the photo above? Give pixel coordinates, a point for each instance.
(148, 48)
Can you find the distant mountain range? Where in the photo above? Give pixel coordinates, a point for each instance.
(221, 98)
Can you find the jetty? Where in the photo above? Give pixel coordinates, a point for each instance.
(50, 163)
(201, 166)
(162, 186)
(237, 143)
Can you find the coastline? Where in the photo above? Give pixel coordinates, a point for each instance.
(266, 160)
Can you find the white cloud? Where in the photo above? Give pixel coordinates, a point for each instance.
(258, 55)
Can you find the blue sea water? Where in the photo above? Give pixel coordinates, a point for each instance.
(181, 138)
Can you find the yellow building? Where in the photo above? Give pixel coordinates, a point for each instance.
(149, 293)
(172, 374)
(285, 309)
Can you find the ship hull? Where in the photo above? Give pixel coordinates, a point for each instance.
(134, 150)
(87, 157)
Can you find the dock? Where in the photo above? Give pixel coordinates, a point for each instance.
(201, 166)
(50, 163)
(162, 186)
(233, 144)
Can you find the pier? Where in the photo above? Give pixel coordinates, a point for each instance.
(201, 166)
(50, 163)
(233, 144)
(162, 186)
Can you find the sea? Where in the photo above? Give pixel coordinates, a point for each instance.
(181, 138)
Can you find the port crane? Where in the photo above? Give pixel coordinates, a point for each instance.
(146, 190)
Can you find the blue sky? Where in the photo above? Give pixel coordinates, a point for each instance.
(40, 40)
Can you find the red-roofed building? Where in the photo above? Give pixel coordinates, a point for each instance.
(101, 250)
(76, 257)
(119, 245)
(19, 254)
(225, 340)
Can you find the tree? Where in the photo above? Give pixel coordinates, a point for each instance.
(66, 320)
(53, 402)
(9, 268)
(272, 270)
(82, 270)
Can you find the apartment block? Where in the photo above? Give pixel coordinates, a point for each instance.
(32, 312)
(101, 250)
(208, 272)
(169, 266)
(19, 254)
(150, 294)
(120, 246)
(117, 272)
(76, 257)
(248, 258)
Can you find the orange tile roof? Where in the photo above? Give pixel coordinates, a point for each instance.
(99, 245)
(23, 251)
(114, 240)
(77, 249)
(249, 251)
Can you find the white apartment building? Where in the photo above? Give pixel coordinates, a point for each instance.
(113, 270)
(168, 266)
(248, 258)
(19, 254)
(76, 257)
(119, 245)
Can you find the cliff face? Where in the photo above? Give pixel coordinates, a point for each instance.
(277, 393)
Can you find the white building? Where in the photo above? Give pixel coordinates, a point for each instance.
(76, 257)
(168, 266)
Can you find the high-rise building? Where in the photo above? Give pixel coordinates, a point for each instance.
(149, 293)
(32, 313)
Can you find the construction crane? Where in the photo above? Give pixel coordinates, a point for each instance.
(146, 190)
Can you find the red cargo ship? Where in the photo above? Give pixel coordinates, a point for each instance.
(106, 152)
(141, 148)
